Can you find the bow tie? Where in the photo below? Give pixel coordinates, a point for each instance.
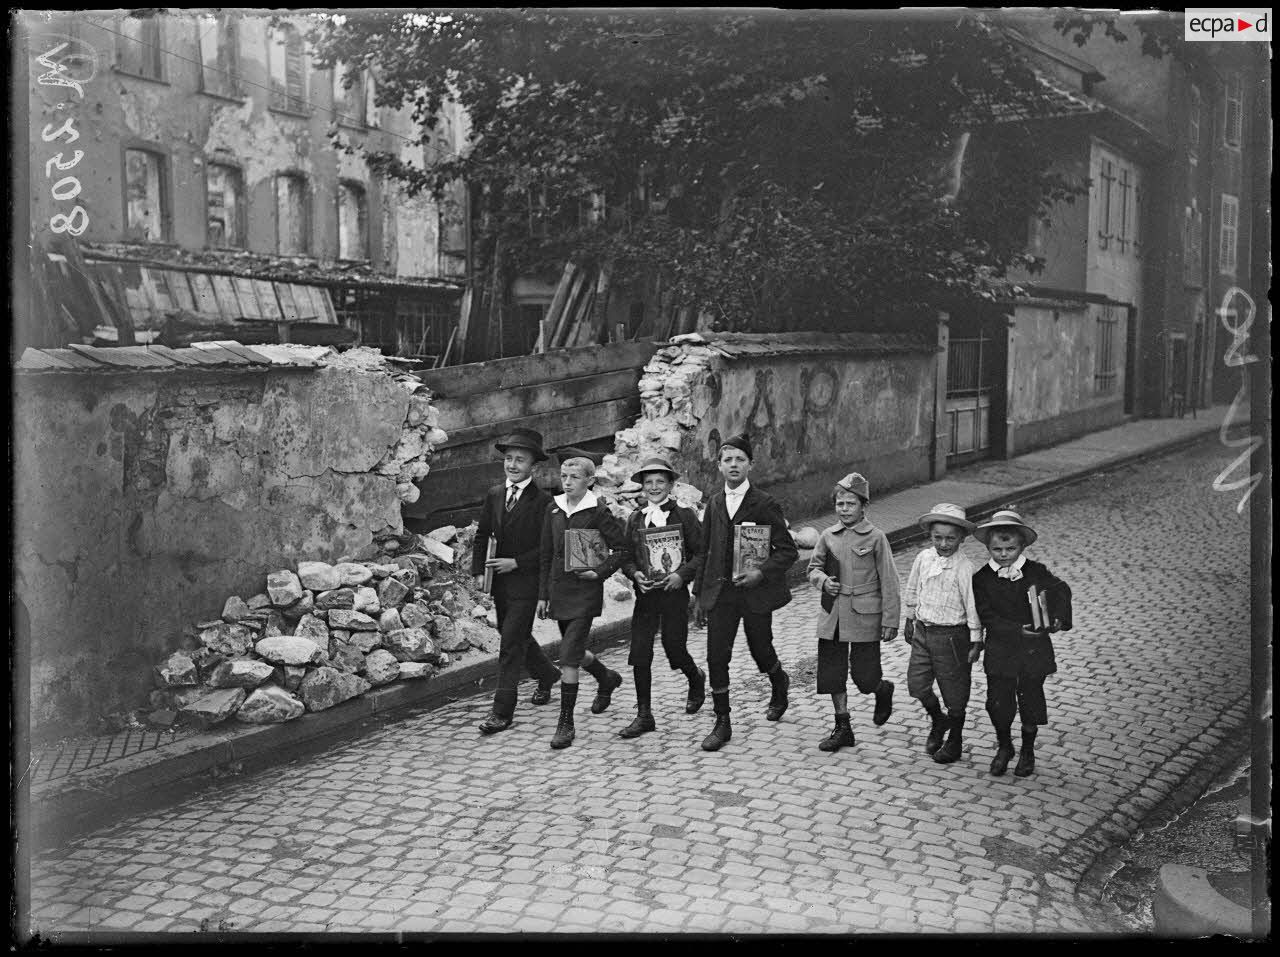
(1011, 573)
(652, 512)
(939, 566)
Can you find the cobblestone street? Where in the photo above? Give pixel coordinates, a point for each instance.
(425, 826)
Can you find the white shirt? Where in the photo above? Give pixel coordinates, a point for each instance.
(655, 513)
(733, 497)
(1013, 572)
(940, 591)
(519, 487)
(587, 501)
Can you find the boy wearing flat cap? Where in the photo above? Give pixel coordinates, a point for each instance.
(662, 595)
(852, 566)
(943, 628)
(1019, 653)
(512, 515)
(751, 598)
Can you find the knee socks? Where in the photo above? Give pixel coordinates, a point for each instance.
(644, 683)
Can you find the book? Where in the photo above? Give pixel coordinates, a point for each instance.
(1037, 614)
(491, 551)
(750, 547)
(584, 549)
(830, 567)
(661, 551)
(1043, 598)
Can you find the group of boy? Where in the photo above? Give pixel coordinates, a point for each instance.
(954, 611)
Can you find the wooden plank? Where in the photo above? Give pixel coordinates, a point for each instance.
(565, 321)
(35, 359)
(249, 308)
(179, 289)
(244, 352)
(480, 377)
(73, 358)
(202, 294)
(266, 294)
(507, 405)
(327, 313)
(135, 357)
(557, 302)
(179, 356)
(220, 355)
(225, 291)
(561, 427)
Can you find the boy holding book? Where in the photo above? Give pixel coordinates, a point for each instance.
(748, 594)
(942, 628)
(507, 553)
(852, 566)
(656, 535)
(1020, 603)
(582, 545)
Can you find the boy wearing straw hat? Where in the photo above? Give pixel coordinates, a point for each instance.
(852, 566)
(943, 628)
(512, 515)
(662, 595)
(1019, 653)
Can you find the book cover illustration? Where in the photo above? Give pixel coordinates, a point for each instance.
(491, 551)
(661, 551)
(584, 549)
(750, 547)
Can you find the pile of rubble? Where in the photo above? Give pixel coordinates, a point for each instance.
(325, 633)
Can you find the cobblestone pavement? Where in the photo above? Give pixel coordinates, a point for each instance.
(425, 826)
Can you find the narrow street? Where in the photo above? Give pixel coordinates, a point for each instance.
(427, 827)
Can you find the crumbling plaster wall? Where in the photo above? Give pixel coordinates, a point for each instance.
(144, 499)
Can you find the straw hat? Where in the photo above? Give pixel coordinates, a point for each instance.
(1005, 518)
(948, 513)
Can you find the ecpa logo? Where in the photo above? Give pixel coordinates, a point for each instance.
(1220, 25)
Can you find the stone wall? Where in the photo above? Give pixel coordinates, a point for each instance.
(144, 498)
(816, 407)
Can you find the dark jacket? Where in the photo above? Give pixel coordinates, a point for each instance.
(1003, 608)
(691, 530)
(570, 596)
(519, 535)
(717, 566)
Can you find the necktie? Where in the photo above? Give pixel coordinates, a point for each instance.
(513, 493)
(1010, 573)
(655, 514)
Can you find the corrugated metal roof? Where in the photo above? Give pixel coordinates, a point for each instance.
(736, 345)
(224, 355)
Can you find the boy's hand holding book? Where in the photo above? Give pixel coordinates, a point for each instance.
(501, 566)
(749, 579)
(831, 586)
(586, 574)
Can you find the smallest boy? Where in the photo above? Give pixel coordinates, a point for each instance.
(943, 628)
(852, 566)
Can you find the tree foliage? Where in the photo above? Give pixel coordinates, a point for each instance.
(777, 169)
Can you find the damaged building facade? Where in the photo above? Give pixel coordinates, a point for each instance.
(187, 159)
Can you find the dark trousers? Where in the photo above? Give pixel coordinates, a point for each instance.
(858, 659)
(670, 611)
(940, 653)
(1022, 695)
(517, 647)
(722, 630)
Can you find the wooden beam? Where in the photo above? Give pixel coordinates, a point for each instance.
(507, 405)
(476, 378)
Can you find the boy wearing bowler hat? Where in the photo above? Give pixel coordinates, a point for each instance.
(1019, 655)
(943, 628)
(751, 598)
(512, 515)
(662, 596)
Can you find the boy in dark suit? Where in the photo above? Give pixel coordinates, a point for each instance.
(751, 598)
(1018, 656)
(662, 596)
(512, 515)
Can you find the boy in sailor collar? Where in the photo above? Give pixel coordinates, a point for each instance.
(943, 628)
(661, 601)
(852, 566)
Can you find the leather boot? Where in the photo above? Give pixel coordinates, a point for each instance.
(937, 728)
(884, 703)
(697, 693)
(1004, 752)
(564, 730)
(1027, 759)
(542, 695)
(841, 737)
(781, 681)
(722, 731)
(950, 750)
(642, 723)
(604, 691)
(494, 723)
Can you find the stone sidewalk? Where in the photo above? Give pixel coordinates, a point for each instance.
(122, 780)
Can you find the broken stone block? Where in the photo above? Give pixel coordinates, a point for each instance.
(479, 636)
(407, 575)
(364, 641)
(366, 601)
(231, 640)
(408, 493)
(289, 650)
(411, 644)
(174, 699)
(336, 598)
(352, 574)
(318, 576)
(259, 602)
(437, 550)
(341, 634)
(491, 618)
(206, 660)
(212, 708)
(457, 602)
(309, 626)
(162, 718)
(805, 537)
(620, 593)
(283, 588)
(415, 615)
(270, 705)
(424, 565)
(449, 637)
(349, 620)
(480, 612)
(367, 553)
(240, 673)
(325, 687)
(382, 571)
(235, 609)
(381, 667)
(303, 606)
(416, 669)
(177, 671)
(389, 620)
(275, 624)
(288, 677)
(444, 535)
(392, 593)
(345, 657)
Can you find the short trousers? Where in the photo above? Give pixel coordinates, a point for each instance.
(573, 640)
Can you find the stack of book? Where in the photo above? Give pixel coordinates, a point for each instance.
(1040, 618)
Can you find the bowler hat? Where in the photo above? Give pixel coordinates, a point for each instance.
(947, 513)
(739, 442)
(522, 439)
(655, 464)
(856, 483)
(1005, 518)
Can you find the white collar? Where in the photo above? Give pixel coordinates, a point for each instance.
(740, 490)
(520, 485)
(587, 501)
(663, 506)
(1016, 566)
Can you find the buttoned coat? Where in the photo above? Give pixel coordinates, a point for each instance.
(519, 536)
(869, 593)
(717, 565)
(570, 596)
(1004, 608)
